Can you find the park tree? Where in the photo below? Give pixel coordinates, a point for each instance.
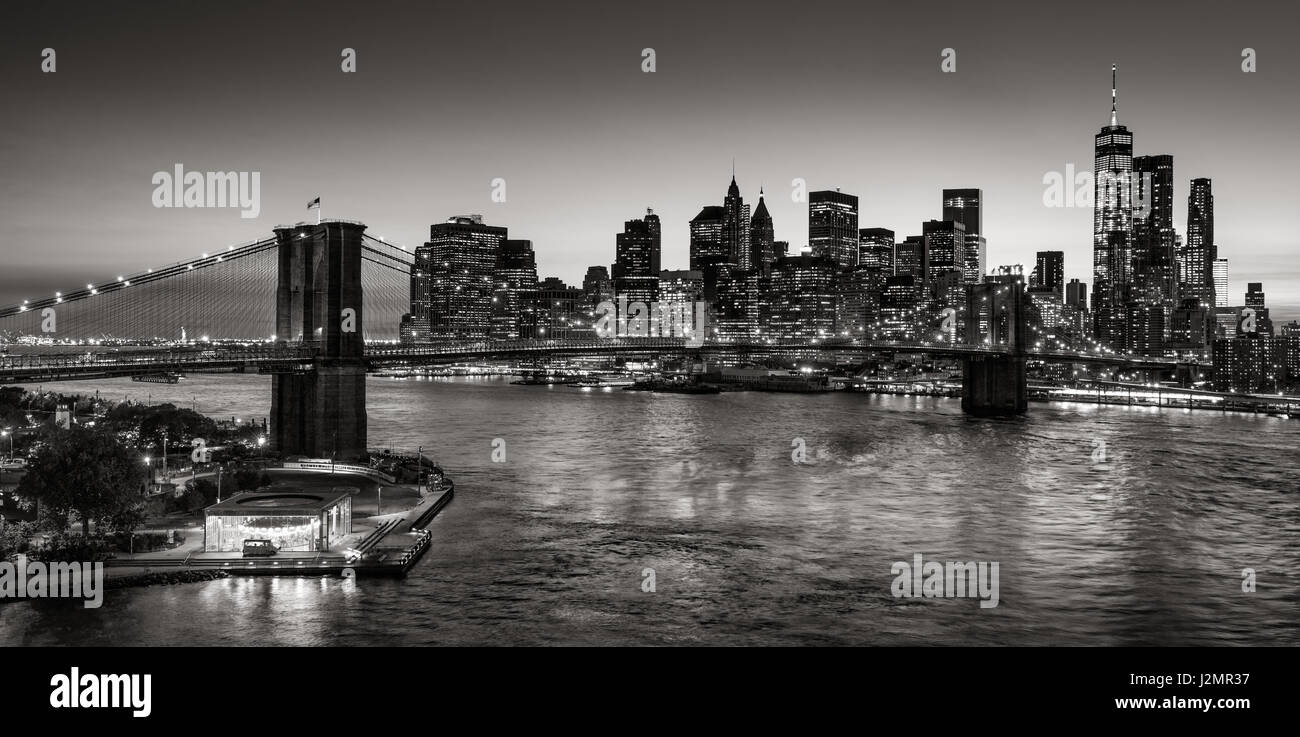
(198, 494)
(89, 475)
(15, 537)
(154, 422)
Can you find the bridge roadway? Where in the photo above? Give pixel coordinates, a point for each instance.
(104, 362)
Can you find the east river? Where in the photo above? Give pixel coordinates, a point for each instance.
(552, 545)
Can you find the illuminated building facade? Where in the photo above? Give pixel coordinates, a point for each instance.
(681, 286)
(945, 244)
(1220, 282)
(762, 246)
(965, 206)
(562, 312)
(460, 259)
(1197, 261)
(900, 308)
(876, 249)
(800, 302)
(636, 264)
(294, 521)
(833, 227)
(1112, 229)
(514, 302)
(1250, 364)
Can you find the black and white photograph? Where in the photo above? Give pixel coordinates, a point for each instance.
(672, 324)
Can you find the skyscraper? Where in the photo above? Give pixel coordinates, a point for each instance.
(461, 258)
(1155, 264)
(706, 238)
(762, 251)
(800, 302)
(735, 226)
(636, 263)
(735, 308)
(1220, 282)
(514, 301)
(707, 253)
(876, 249)
(966, 206)
(1112, 223)
(911, 258)
(417, 326)
(945, 242)
(1199, 252)
(1051, 271)
(597, 286)
(1077, 327)
(833, 226)
(857, 299)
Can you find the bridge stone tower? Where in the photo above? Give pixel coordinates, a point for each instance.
(995, 384)
(320, 413)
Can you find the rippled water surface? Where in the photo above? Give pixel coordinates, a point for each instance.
(748, 547)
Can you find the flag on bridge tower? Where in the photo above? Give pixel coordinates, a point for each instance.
(315, 204)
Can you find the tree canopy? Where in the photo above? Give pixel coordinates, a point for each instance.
(88, 475)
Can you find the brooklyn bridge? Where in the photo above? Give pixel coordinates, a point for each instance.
(318, 306)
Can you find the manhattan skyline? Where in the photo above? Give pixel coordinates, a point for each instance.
(585, 140)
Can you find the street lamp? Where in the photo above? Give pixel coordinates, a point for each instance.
(9, 431)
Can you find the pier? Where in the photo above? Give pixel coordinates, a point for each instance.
(391, 548)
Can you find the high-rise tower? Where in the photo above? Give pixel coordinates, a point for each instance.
(965, 206)
(1112, 228)
(1155, 264)
(1199, 252)
(461, 260)
(636, 265)
(833, 226)
(761, 237)
(735, 226)
(514, 308)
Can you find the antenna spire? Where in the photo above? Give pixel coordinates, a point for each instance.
(1114, 119)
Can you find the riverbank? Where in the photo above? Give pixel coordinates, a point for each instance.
(122, 579)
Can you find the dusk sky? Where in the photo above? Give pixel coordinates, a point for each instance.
(551, 98)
